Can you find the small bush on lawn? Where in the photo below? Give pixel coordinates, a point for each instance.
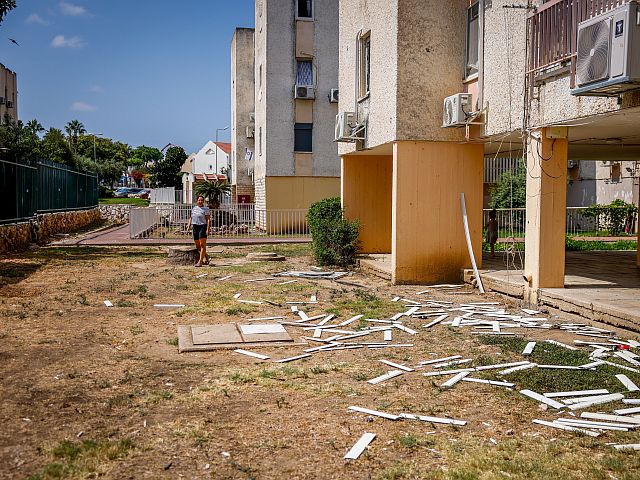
(105, 192)
(335, 240)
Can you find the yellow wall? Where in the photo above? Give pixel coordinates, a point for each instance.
(546, 212)
(366, 196)
(428, 241)
(299, 192)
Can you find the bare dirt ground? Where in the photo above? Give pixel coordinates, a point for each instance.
(88, 391)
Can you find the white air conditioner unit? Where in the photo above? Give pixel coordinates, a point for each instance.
(251, 132)
(333, 95)
(344, 126)
(456, 110)
(608, 52)
(304, 92)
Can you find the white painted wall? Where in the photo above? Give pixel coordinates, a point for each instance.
(205, 160)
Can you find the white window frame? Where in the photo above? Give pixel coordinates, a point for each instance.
(364, 88)
(468, 74)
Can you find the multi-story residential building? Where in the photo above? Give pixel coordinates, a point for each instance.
(242, 115)
(8, 93)
(296, 74)
(525, 80)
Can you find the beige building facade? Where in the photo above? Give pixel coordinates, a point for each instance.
(296, 69)
(242, 116)
(8, 93)
(403, 172)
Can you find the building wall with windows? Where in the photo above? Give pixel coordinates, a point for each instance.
(242, 113)
(8, 93)
(296, 45)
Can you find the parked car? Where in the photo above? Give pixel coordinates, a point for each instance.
(122, 192)
(139, 193)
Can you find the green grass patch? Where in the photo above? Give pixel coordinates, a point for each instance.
(288, 249)
(573, 245)
(137, 202)
(365, 303)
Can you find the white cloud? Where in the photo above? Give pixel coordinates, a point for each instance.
(60, 41)
(83, 107)
(96, 89)
(72, 10)
(35, 18)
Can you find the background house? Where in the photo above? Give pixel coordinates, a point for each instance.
(209, 163)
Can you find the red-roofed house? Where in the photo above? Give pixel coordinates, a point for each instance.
(207, 164)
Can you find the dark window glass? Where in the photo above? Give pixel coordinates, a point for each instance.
(305, 8)
(303, 141)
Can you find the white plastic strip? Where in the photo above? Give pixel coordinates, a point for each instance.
(375, 413)
(576, 393)
(359, 446)
(626, 381)
(251, 354)
(397, 365)
(529, 348)
(542, 399)
(452, 381)
(566, 427)
(611, 418)
(469, 246)
(385, 377)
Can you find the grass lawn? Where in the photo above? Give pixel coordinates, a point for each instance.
(138, 202)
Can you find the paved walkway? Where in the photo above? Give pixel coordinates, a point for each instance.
(119, 236)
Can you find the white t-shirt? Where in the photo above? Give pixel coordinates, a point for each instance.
(199, 215)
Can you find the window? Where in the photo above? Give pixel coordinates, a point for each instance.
(260, 141)
(303, 141)
(471, 60)
(304, 73)
(305, 9)
(365, 65)
(616, 173)
(260, 76)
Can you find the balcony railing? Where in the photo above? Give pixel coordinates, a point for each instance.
(553, 32)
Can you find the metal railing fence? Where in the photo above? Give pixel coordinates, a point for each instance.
(241, 221)
(29, 188)
(512, 222)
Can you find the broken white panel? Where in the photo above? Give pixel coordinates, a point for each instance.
(581, 424)
(633, 343)
(626, 381)
(313, 298)
(447, 372)
(287, 282)
(360, 446)
(303, 316)
(264, 318)
(260, 279)
(624, 367)
(397, 365)
(395, 299)
(251, 354)
(530, 312)
(614, 397)
(562, 367)
(294, 308)
(291, 359)
(440, 360)
(594, 424)
(351, 320)
(627, 357)
(453, 362)
(225, 278)
(542, 399)
(266, 328)
(108, 303)
(385, 377)
(628, 446)
(452, 381)
(388, 335)
(611, 418)
(202, 275)
(517, 369)
(375, 413)
(529, 348)
(627, 411)
(168, 305)
(425, 418)
(592, 365)
(576, 393)
(560, 344)
(501, 365)
(489, 382)
(566, 427)
(404, 329)
(436, 321)
(581, 399)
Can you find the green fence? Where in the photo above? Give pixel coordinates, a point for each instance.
(29, 188)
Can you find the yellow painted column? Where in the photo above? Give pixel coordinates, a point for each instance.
(366, 196)
(428, 240)
(546, 210)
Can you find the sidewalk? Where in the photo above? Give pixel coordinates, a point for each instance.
(119, 236)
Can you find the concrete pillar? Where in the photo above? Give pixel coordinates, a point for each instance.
(546, 210)
(366, 196)
(428, 241)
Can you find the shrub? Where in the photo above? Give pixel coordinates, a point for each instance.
(334, 239)
(617, 217)
(105, 192)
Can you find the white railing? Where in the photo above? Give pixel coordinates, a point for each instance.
(512, 222)
(163, 195)
(495, 167)
(228, 221)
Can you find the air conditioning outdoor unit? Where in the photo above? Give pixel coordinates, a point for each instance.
(9, 104)
(304, 92)
(251, 132)
(608, 52)
(344, 126)
(333, 95)
(456, 109)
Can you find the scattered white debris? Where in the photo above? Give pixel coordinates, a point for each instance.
(528, 350)
(629, 446)
(108, 303)
(626, 381)
(237, 295)
(397, 365)
(169, 305)
(375, 413)
(567, 427)
(542, 399)
(291, 359)
(225, 278)
(455, 379)
(360, 446)
(627, 411)
(385, 377)
(252, 354)
(576, 393)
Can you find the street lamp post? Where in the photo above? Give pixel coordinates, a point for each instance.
(94, 143)
(218, 130)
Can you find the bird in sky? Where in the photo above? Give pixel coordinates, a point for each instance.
(13, 41)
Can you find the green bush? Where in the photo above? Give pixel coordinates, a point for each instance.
(105, 192)
(616, 217)
(334, 239)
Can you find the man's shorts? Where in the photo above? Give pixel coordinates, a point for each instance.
(199, 231)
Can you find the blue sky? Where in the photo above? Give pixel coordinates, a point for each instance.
(140, 71)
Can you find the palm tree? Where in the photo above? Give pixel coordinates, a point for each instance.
(74, 129)
(34, 126)
(212, 191)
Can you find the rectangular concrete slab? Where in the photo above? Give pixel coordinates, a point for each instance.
(185, 342)
(212, 334)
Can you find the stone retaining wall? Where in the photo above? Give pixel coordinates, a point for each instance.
(17, 237)
(115, 213)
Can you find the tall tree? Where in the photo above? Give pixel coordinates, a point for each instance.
(74, 129)
(34, 127)
(144, 156)
(5, 7)
(56, 148)
(166, 172)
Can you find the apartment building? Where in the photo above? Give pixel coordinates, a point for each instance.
(8, 93)
(242, 116)
(502, 78)
(296, 80)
